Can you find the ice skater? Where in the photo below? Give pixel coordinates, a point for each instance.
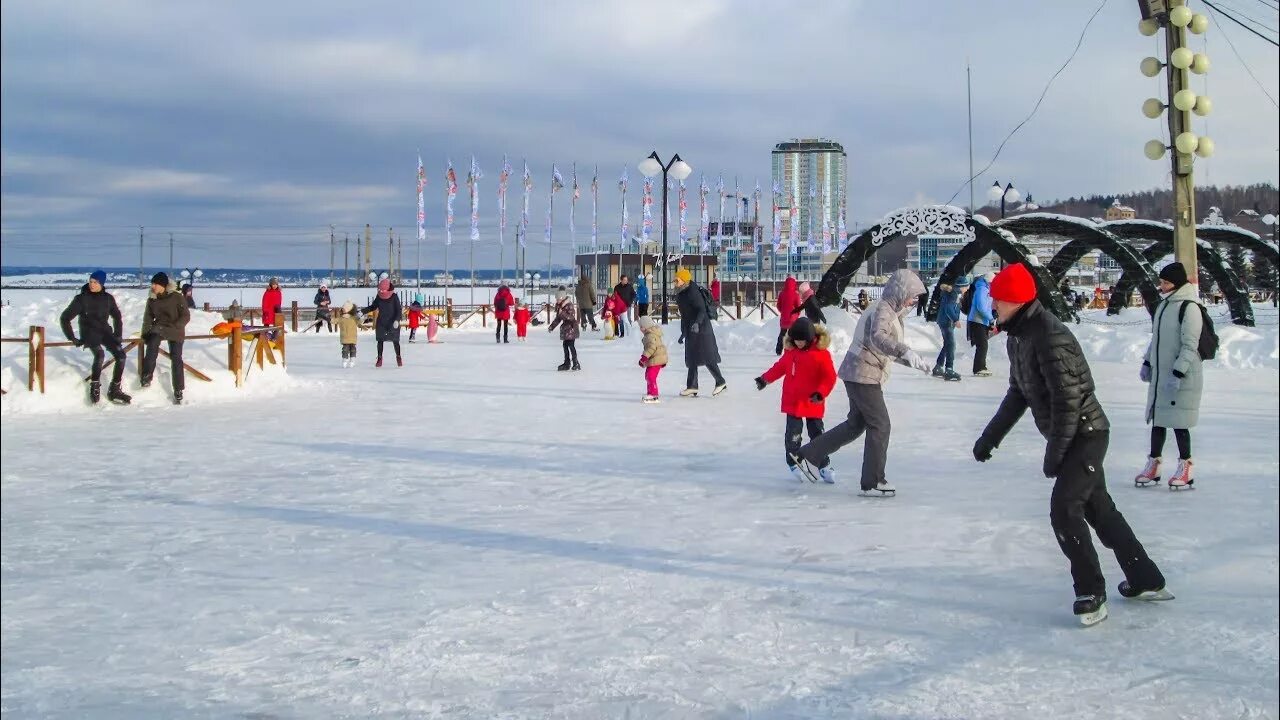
(522, 321)
(1174, 377)
(948, 320)
(348, 333)
(699, 333)
(788, 308)
(877, 345)
(654, 356)
(387, 326)
(566, 317)
(503, 301)
(1049, 375)
(808, 376)
(415, 319)
(981, 322)
(324, 315)
(101, 330)
(165, 318)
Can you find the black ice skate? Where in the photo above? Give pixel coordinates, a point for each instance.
(95, 392)
(117, 396)
(563, 367)
(1134, 592)
(1090, 609)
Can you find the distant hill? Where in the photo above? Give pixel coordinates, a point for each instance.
(1154, 204)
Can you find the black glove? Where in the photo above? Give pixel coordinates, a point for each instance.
(761, 384)
(982, 449)
(681, 340)
(1050, 469)
(815, 398)
(77, 342)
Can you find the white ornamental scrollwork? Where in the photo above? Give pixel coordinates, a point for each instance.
(929, 220)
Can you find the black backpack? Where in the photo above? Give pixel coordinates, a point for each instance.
(500, 304)
(1208, 345)
(710, 303)
(966, 300)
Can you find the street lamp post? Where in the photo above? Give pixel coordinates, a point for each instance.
(1007, 193)
(679, 169)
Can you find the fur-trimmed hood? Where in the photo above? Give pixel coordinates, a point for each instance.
(822, 341)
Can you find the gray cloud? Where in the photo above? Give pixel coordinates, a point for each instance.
(248, 129)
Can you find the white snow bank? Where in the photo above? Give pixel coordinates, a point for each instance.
(67, 367)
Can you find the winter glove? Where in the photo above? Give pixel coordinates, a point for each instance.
(681, 340)
(644, 361)
(695, 329)
(982, 449)
(761, 384)
(1172, 383)
(1144, 373)
(913, 359)
(815, 398)
(1050, 468)
(77, 342)
(395, 325)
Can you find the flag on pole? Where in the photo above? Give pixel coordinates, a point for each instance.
(737, 213)
(720, 224)
(646, 210)
(595, 198)
(573, 206)
(622, 186)
(813, 205)
(777, 217)
(704, 229)
(422, 205)
(557, 184)
(473, 184)
(842, 234)
(503, 177)
(451, 192)
(758, 241)
(527, 182)
(683, 204)
(793, 238)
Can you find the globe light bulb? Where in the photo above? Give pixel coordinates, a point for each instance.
(1154, 149)
(1199, 23)
(1186, 143)
(1205, 147)
(1181, 58)
(1203, 106)
(1180, 16)
(1199, 63)
(1184, 100)
(1148, 27)
(1150, 66)
(1152, 108)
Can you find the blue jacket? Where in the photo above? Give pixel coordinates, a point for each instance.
(949, 311)
(642, 290)
(980, 310)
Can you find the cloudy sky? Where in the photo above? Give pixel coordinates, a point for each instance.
(247, 128)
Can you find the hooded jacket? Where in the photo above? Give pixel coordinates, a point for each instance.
(166, 315)
(788, 301)
(878, 338)
(1175, 347)
(272, 299)
(980, 309)
(567, 318)
(655, 349)
(949, 309)
(99, 317)
(504, 293)
(805, 372)
(1049, 375)
(348, 327)
(585, 293)
(642, 290)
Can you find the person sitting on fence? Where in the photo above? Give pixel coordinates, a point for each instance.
(272, 299)
(189, 293)
(234, 312)
(415, 319)
(323, 314)
(100, 327)
(165, 318)
(522, 321)
(348, 333)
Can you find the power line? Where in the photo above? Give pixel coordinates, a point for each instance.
(1259, 23)
(1235, 52)
(1232, 18)
(1044, 92)
(1273, 6)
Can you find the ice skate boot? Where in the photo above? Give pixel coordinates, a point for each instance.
(1150, 474)
(563, 367)
(1134, 592)
(399, 361)
(798, 474)
(177, 397)
(882, 489)
(116, 395)
(1184, 477)
(982, 373)
(828, 475)
(950, 375)
(576, 365)
(95, 392)
(719, 389)
(379, 363)
(649, 399)
(938, 371)
(689, 392)
(1090, 609)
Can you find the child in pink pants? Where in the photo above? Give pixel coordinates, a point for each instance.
(654, 357)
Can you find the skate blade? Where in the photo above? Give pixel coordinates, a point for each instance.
(1178, 488)
(803, 466)
(1145, 482)
(877, 493)
(1154, 596)
(1093, 618)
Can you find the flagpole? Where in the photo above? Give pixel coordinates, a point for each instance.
(551, 223)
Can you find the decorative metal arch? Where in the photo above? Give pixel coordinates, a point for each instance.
(940, 220)
(1161, 237)
(1084, 236)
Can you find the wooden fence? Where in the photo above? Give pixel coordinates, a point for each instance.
(262, 349)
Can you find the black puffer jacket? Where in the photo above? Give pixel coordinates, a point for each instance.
(95, 311)
(1048, 373)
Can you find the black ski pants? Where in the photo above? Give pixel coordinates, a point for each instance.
(502, 330)
(570, 352)
(692, 383)
(586, 315)
(111, 345)
(979, 334)
(867, 413)
(394, 343)
(795, 434)
(177, 370)
(1079, 501)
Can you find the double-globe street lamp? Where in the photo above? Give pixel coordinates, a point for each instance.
(679, 170)
(1007, 193)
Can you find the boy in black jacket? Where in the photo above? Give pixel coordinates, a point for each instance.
(1049, 375)
(100, 327)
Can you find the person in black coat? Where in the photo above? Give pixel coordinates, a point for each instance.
(324, 310)
(164, 319)
(699, 334)
(387, 328)
(626, 292)
(101, 330)
(809, 305)
(1048, 375)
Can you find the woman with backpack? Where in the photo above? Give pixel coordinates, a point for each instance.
(503, 302)
(1174, 377)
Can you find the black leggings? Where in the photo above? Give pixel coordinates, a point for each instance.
(1181, 435)
(394, 343)
(570, 351)
(502, 330)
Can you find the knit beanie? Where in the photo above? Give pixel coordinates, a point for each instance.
(647, 322)
(1175, 273)
(801, 329)
(99, 277)
(1014, 284)
(683, 275)
(160, 279)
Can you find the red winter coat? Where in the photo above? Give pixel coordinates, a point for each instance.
(804, 373)
(271, 299)
(788, 301)
(715, 289)
(522, 317)
(503, 293)
(415, 318)
(614, 304)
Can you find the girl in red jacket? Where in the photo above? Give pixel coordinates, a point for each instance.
(809, 375)
(788, 301)
(415, 319)
(522, 321)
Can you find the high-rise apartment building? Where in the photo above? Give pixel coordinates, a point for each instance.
(812, 176)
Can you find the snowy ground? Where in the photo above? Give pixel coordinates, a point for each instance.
(475, 535)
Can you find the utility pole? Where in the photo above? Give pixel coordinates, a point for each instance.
(142, 274)
(391, 255)
(170, 254)
(400, 257)
(332, 247)
(346, 259)
(1176, 18)
(368, 252)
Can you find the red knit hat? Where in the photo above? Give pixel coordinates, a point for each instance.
(1014, 284)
